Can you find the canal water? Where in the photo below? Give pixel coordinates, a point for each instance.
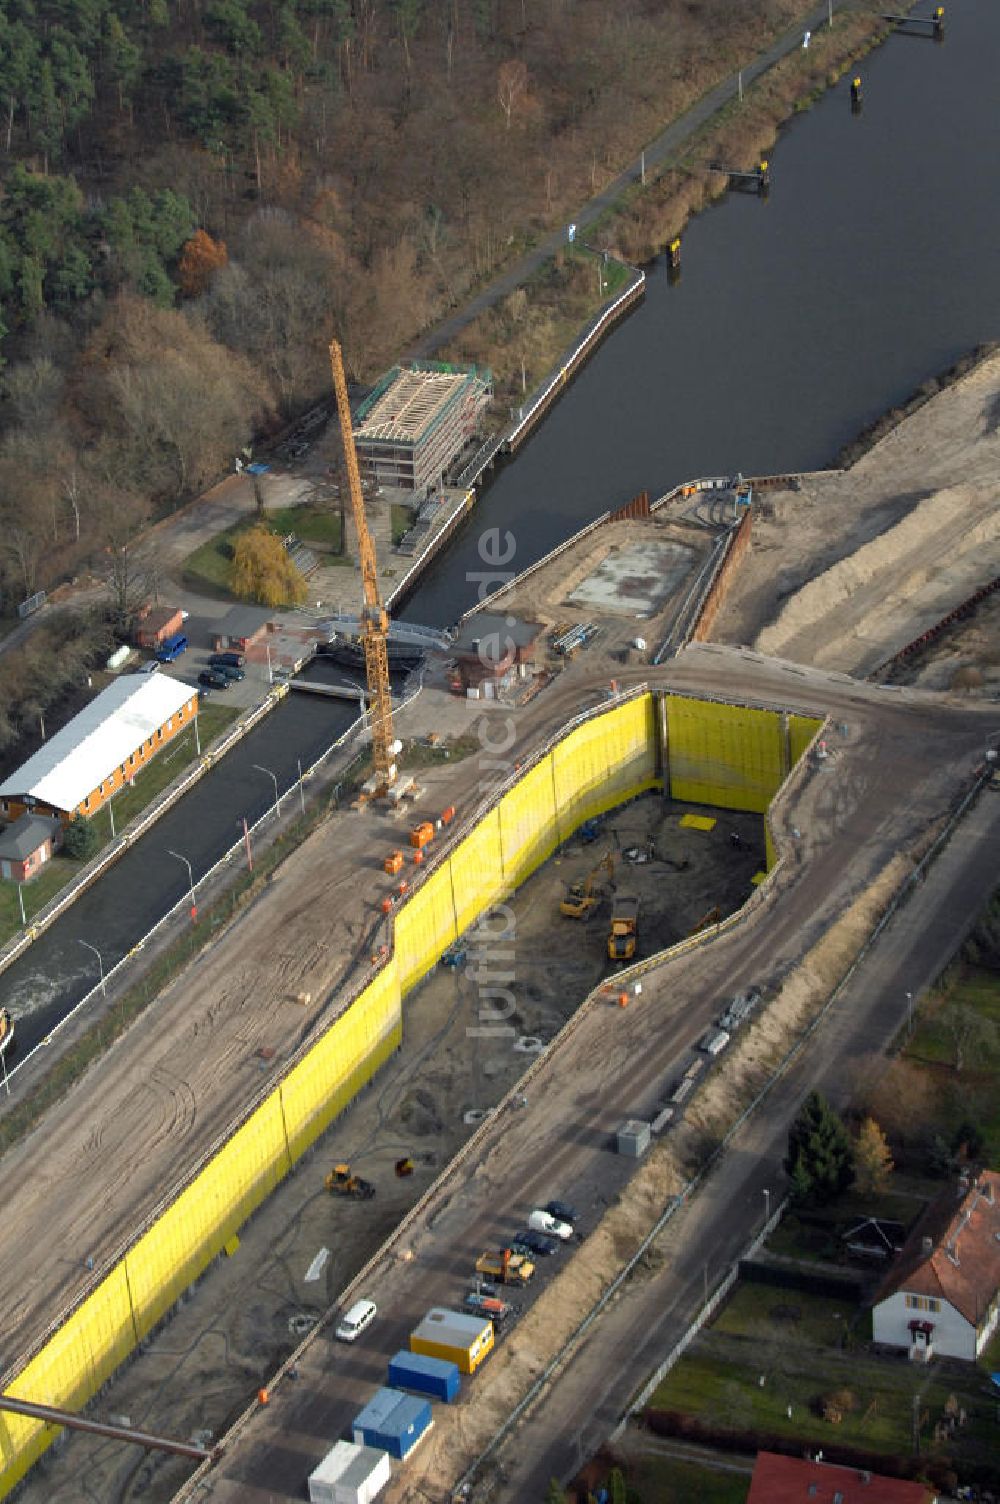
(874, 263)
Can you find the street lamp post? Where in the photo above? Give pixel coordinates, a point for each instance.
(909, 1014)
(302, 796)
(274, 779)
(20, 899)
(194, 904)
(767, 1206)
(87, 946)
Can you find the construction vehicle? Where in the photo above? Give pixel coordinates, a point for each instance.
(422, 835)
(581, 897)
(341, 1182)
(505, 1267)
(404, 1167)
(624, 928)
(374, 618)
(393, 863)
(492, 1306)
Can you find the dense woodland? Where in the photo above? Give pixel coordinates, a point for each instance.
(197, 193)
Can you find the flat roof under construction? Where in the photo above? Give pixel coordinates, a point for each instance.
(410, 404)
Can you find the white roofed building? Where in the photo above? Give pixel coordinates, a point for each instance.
(101, 749)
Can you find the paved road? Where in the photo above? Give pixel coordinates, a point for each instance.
(658, 154)
(852, 819)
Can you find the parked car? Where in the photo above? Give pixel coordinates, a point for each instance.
(553, 1227)
(213, 679)
(354, 1322)
(562, 1211)
(535, 1242)
(226, 660)
(152, 667)
(172, 647)
(230, 671)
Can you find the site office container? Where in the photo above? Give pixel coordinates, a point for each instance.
(350, 1474)
(437, 1378)
(393, 1421)
(463, 1340)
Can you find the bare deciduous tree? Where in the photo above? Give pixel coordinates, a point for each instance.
(512, 85)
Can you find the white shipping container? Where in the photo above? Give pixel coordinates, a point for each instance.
(349, 1474)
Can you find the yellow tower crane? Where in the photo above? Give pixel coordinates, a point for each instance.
(374, 617)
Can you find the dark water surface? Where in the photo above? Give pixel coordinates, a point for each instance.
(798, 319)
(874, 264)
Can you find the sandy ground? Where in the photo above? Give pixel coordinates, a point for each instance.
(851, 566)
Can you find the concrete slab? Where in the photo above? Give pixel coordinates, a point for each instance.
(637, 579)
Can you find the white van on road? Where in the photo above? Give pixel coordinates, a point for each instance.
(360, 1316)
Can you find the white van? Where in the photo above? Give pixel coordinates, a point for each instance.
(361, 1315)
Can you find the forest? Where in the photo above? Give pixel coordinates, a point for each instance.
(196, 194)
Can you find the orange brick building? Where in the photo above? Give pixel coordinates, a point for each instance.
(101, 749)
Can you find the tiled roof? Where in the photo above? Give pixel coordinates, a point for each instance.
(963, 1264)
(797, 1480)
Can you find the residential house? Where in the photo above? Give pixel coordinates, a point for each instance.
(941, 1294)
(801, 1480)
(27, 844)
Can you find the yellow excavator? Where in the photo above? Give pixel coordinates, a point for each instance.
(342, 1182)
(581, 897)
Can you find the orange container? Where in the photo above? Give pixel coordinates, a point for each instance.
(623, 999)
(393, 863)
(386, 905)
(447, 815)
(418, 857)
(422, 834)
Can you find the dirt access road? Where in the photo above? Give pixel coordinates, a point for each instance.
(853, 821)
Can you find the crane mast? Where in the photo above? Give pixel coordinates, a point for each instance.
(374, 617)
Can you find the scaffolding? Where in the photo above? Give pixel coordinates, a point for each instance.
(417, 420)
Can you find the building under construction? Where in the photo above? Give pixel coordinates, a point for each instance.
(417, 420)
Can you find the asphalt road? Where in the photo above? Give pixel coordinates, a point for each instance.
(892, 775)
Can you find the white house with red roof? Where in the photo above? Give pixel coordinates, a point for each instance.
(942, 1295)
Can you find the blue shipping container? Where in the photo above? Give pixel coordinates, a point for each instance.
(435, 1377)
(393, 1421)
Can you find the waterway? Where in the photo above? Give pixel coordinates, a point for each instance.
(797, 320)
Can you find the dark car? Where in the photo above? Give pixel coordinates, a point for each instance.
(213, 679)
(226, 660)
(535, 1242)
(562, 1211)
(230, 671)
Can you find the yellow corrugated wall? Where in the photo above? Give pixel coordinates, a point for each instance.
(425, 927)
(72, 1366)
(185, 1239)
(339, 1064)
(604, 762)
(801, 730)
(476, 867)
(724, 755)
(528, 834)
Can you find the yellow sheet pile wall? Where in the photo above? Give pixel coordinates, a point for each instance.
(597, 766)
(724, 755)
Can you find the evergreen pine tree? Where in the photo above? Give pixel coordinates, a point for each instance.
(819, 1160)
